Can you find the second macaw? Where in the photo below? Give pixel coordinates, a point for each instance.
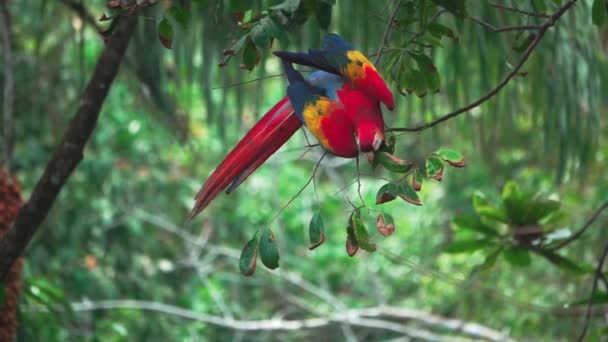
(344, 117)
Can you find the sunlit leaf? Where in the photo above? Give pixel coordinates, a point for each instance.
(434, 167)
(452, 157)
(474, 223)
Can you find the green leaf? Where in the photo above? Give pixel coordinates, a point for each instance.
(466, 246)
(352, 243)
(323, 14)
(601, 297)
(484, 208)
(385, 224)
(425, 63)
(456, 7)
(599, 12)
(473, 223)
(1, 294)
(518, 257)
(316, 231)
(407, 80)
(433, 81)
(420, 83)
(360, 231)
(539, 6)
(165, 33)
(251, 55)
(439, 30)
(434, 168)
(180, 15)
(452, 157)
(392, 163)
(387, 193)
(564, 263)
(249, 255)
(540, 209)
(417, 180)
(269, 252)
(408, 194)
(490, 259)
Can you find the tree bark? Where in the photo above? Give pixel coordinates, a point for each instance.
(69, 153)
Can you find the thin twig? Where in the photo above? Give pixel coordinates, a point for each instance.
(302, 189)
(505, 28)
(541, 32)
(387, 30)
(359, 184)
(580, 232)
(255, 80)
(520, 11)
(598, 273)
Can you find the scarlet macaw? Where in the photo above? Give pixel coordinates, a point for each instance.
(340, 111)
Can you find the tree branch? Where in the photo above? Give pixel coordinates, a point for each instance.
(69, 153)
(373, 317)
(550, 22)
(8, 95)
(504, 28)
(598, 274)
(387, 30)
(580, 232)
(517, 10)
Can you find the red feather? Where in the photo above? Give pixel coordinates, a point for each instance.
(264, 138)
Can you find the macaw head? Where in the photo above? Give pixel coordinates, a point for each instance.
(338, 57)
(359, 71)
(369, 135)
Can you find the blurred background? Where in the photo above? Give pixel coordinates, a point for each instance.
(117, 259)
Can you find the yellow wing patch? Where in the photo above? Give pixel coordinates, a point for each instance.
(313, 115)
(355, 68)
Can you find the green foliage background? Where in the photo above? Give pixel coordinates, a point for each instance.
(119, 228)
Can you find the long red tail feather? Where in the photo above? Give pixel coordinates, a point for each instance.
(262, 140)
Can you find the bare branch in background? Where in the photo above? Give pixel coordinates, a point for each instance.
(550, 22)
(598, 274)
(520, 11)
(8, 95)
(69, 153)
(382, 317)
(387, 31)
(579, 232)
(505, 28)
